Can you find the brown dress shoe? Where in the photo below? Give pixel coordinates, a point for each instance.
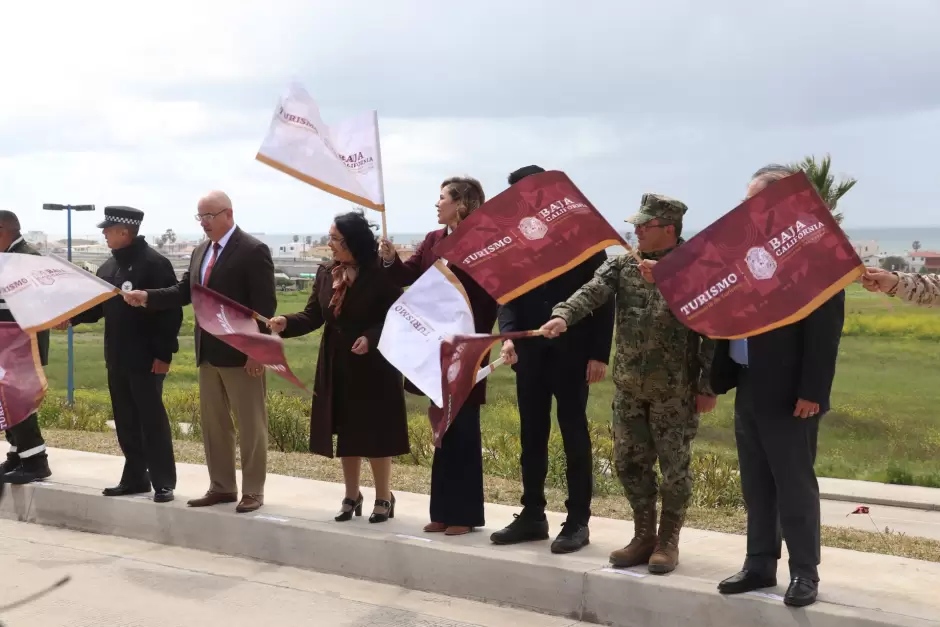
(213, 498)
(433, 527)
(454, 530)
(249, 503)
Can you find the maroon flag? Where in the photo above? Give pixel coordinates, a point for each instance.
(22, 381)
(237, 326)
(537, 229)
(768, 263)
(461, 357)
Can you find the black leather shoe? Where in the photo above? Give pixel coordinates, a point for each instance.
(523, 529)
(123, 489)
(573, 537)
(746, 581)
(802, 592)
(163, 495)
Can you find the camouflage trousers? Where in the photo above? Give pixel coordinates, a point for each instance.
(647, 431)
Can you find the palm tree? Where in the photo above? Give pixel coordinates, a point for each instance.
(820, 175)
(916, 245)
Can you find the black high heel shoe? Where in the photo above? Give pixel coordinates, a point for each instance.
(355, 507)
(389, 510)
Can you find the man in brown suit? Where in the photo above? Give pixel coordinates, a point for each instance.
(234, 264)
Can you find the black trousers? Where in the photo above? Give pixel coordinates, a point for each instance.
(776, 454)
(143, 428)
(538, 380)
(26, 438)
(457, 473)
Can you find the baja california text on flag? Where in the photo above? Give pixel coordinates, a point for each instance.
(768, 263)
(22, 381)
(237, 326)
(534, 231)
(344, 160)
(45, 290)
(436, 306)
(460, 357)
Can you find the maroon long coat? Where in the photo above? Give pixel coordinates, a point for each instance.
(357, 397)
(484, 307)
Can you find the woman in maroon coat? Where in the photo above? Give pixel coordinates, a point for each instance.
(457, 472)
(358, 395)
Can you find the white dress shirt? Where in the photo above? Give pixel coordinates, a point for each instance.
(205, 260)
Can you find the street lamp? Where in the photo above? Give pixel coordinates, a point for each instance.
(68, 209)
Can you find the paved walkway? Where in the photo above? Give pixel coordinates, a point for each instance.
(296, 528)
(116, 582)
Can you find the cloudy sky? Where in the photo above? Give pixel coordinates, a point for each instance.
(115, 103)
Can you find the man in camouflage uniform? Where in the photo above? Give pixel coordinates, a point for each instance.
(662, 385)
(920, 289)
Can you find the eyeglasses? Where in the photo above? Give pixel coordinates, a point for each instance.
(337, 240)
(208, 217)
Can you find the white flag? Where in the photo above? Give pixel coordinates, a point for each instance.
(344, 160)
(433, 308)
(44, 290)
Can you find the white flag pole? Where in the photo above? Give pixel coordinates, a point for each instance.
(482, 373)
(378, 158)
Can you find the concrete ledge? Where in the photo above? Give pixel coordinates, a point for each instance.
(295, 528)
(871, 493)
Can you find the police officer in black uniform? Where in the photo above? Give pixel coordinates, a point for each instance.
(138, 347)
(26, 459)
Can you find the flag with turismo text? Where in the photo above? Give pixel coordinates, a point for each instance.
(769, 262)
(433, 308)
(534, 231)
(45, 290)
(344, 160)
(237, 326)
(460, 358)
(22, 381)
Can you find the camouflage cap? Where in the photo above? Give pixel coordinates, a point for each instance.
(653, 206)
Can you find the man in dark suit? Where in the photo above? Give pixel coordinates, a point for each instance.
(26, 460)
(562, 368)
(783, 380)
(234, 264)
(138, 348)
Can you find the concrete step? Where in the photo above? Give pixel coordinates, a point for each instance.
(296, 528)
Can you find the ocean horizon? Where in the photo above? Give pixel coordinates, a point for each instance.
(891, 240)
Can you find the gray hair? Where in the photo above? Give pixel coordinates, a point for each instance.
(773, 173)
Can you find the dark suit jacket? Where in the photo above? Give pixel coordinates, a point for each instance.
(589, 339)
(483, 305)
(244, 272)
(794, 362)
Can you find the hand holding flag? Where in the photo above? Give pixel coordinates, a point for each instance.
(43, 291)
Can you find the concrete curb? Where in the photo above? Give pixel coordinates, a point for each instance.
(554, 586)
(885, 494)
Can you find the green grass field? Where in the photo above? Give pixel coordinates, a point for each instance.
(885, 425)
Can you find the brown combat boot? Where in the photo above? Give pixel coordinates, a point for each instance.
(666, 557)
(643, 544)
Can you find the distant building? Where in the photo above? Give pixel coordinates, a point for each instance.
(924, 259)
(37, 239)
(869, 252)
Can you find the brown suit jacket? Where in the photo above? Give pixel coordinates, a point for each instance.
(243, 272)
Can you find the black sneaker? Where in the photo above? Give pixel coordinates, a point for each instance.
(523, 529)
(31, 469)
(11, 463)
(573, 537)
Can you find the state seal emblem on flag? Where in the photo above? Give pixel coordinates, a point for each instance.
(532, 228)
(761, 264)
